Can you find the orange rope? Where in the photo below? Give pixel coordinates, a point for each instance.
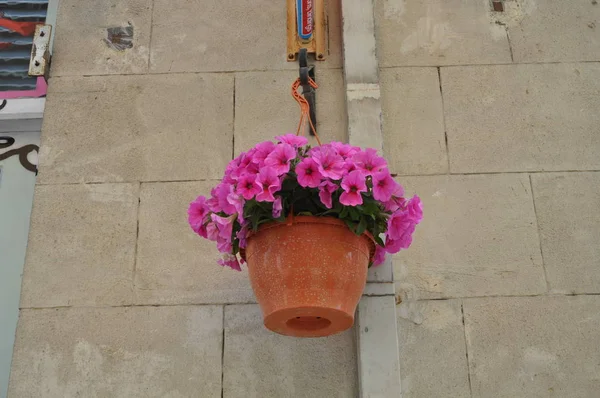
(304, 107)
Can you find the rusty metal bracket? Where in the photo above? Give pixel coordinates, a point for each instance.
(308, 91)
(306, 28)
(40, 52)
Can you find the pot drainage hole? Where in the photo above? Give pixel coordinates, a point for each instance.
(308, 323)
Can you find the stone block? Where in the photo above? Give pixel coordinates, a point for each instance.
(175, 265)
(522, 117)
(132, 128)
(118, 352)
(81, 248)
(264, 107)
(567, 207)
(433, 360)
(191, 36)
(260, 363)
(439, 32)
(478, 237)
(533, 346)
(80, 46)
(377, 345)
(551, 32)
(413, 121)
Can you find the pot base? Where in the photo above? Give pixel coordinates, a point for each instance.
(308, 321)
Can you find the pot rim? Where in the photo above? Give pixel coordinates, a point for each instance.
(312, 220)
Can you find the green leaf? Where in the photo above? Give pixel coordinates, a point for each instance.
(362, 225)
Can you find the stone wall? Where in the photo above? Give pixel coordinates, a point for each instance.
(120, 298)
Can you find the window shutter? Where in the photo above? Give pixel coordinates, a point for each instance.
(16, 36)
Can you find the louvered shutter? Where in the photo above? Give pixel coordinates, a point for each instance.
(15, 48)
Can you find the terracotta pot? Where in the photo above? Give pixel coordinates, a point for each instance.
(308, 274)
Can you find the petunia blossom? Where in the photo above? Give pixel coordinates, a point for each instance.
(383, 185)
(269, 183)
(262, 150)
(326, 189)
(403, 242)
(308, 173)
(242, 235)
(344, 150)
(197, 213)
(414, 208)
(277, 207)
(229, 260)
(292, 139)
(247, 187)
(224, 225)
(279, 159)
(379, 257)
(212, 232)
(401, 226)
(331, 165)
(353, 184)
(237, 201)
(369, 162)
(220, 203)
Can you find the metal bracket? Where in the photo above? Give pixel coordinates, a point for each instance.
(306, 22)
(308, 92)
(40, 52)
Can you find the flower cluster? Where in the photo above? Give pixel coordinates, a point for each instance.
(273, 180)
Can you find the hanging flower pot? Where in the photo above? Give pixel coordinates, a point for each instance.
(308, 222)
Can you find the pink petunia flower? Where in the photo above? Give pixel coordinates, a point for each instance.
(383, 185)
(414, 208)
(326, 189)
(368, 162)
(279, 159)
(218, 202)
(331, 165)
(247, 187)
(397, 201)
(308, 173)
(292, 139)
(403, 242)
(262, 151)
(353, 184)
(401, 226)
(242, 235)
(237, 201)
(212, 232)
(224, 225)
(197, 213)
(277, 207)
(344, 150)
(269, 183)
(379, 256)
(229, 260)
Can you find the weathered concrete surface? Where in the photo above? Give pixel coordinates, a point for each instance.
(568, 211)
(191, 36)
(413, 121)
(79, 46)
(118, 352)
(260, 364)
(433, 353)
(131, 128)
(81, 248)
(174, 265)
(522, 117)
(554, 31)
(265, 108)
(439, 32)
(534, 346)
(478, 237)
